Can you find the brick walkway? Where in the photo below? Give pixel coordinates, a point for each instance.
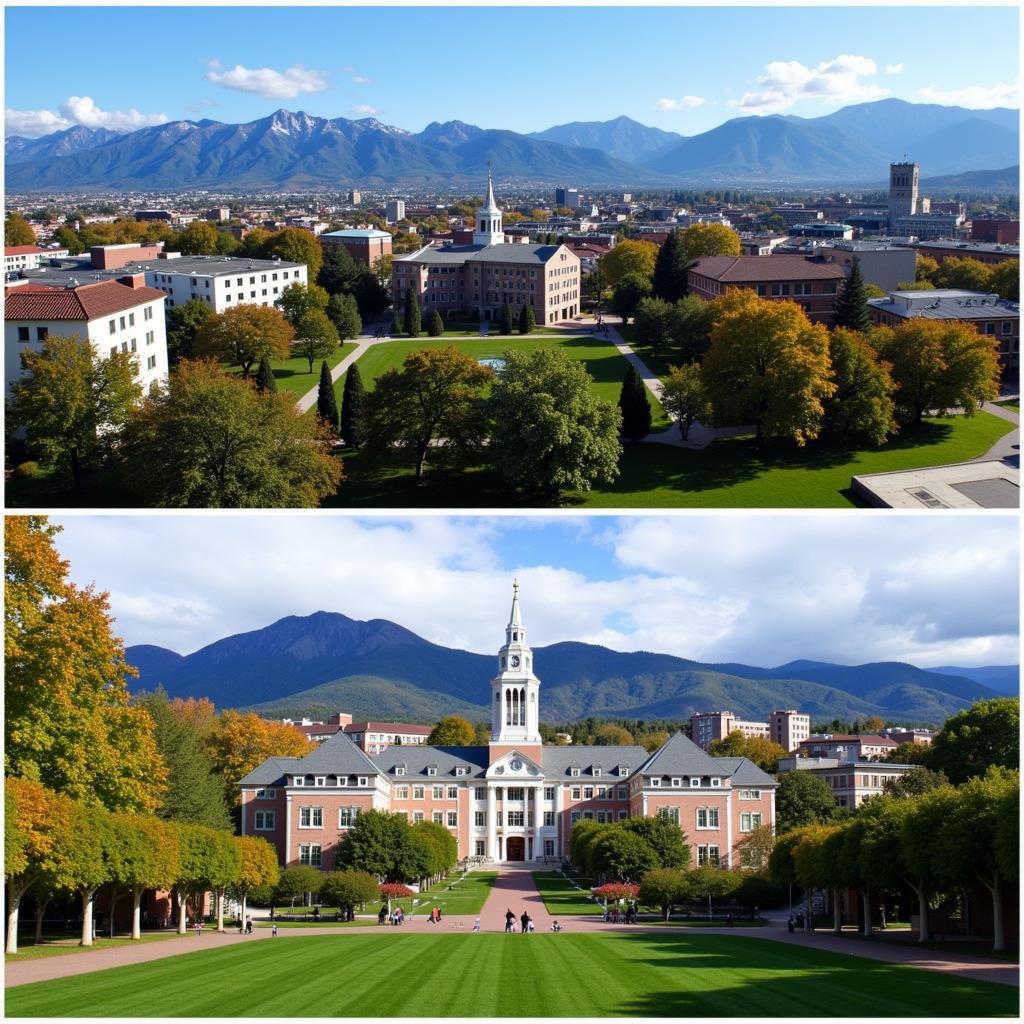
(514, 890)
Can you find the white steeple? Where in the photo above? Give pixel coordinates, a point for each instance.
(515, 691)
(488, 218)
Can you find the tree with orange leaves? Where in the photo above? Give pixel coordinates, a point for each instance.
(259, 868)
(244, 740)
(69, 723)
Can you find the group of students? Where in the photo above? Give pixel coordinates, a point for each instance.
(615, 916)
(396, 917)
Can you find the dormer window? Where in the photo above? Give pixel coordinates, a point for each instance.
(298, 780)
(716, 783)
(400, 770)
(597, 771)
(574, 772)
(676, 783)
(362, 780)
(623, 771)
(694, 783)
(655, 783)
(320, 781)
(432, 769)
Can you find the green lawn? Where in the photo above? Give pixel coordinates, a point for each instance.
(601, 359)
(732, 472)
(391, 974)
(658, 364)
(293, 376)
(1011, 403)
(29, 950)
(561, 899)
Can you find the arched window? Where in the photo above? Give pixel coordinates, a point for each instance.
(522, 707)
(508, 707)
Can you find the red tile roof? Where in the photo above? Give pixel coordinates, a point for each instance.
(22, 250)
(87, 302)
(751, 269)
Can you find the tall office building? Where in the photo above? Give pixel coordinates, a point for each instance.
(903, 184)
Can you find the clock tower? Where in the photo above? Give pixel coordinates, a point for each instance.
(515, 691)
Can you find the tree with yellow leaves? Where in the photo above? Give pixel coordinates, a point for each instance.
(768, 366)
(69, 723)
(630, 256)
(259, 868)
(244, 740)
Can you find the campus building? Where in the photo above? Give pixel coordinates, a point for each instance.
(514, 799)
(364, 245)
(858, 747)
(851, 782)
(28, 257)
(490, 273)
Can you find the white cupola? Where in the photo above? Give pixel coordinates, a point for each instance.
(488, 219)
(515, 691)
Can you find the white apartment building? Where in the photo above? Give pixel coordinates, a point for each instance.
(122, 315)
(28, 257)
(851, 782)
(789, 728)
(395, 211)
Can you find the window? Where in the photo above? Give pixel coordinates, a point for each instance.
(149, 337)
(417, 792)
(347, 816)
(750, 794)
(23, 334)
(113, 326)
(549, 818)
(549, 847)
(588, 792)
(298, 781)
(694, 783)
(400, 770)
(264, 821)
(716, 783)
(481, 848)
(151, 363)
(707, 817)
(574, 817)
(320, 781)
(515, 819)
(147, 313)
(655, 783)
(707, 855)
(438, 816)
(623, 793)
(480, 819)
(432, 770)
(515, 793)
(481, 792)
(131, 319)
(576, 792)
(121, 322)
(266, 794)
(437, 792)
(453, 819)
(549, 792)
(311, 817)
(42, 333)
(671, 813)
(574, 772)
(829, 289)
(309, 853)
(596, 772)
(749, 821)
(453, 792)
(417, 816)
(1007, 327)
(402, 793)
(676, 782)
(362, 780)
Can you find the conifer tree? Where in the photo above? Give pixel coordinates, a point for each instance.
(635, 406)
(265, 380)
(352, 408)
(413, 317)
(506, 322)
(326, 403)
(670, 268)
(527, 320)
(852, 308)
(435, 325)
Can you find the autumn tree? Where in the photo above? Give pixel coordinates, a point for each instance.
(938, 365)
(635, 406)
(609, 735)
(862, 402)
(968, 274)
(68, 720)
(295, 245)
(196, 239)
(298, 299)
(549, 431)
(768, 365)
(759, 749)
(683, 397)
(257, 869)
(628, 257)
(1005, 280)
(72, 403)
(143, 855)
(244, 740)
(851, 309)
(702, 240)
(243, 335)
(433, 404)
(452, 731)
(18, 231)
(210, 440)
(352, 406)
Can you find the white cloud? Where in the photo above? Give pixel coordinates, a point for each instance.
(76, 110)
(361, 80)
(895, 69)
(758, 589)
(785, 83)
(977, 97)
(365, 109)
(682, 103)
(286, 84)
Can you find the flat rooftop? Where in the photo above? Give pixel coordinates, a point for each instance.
(967, 485)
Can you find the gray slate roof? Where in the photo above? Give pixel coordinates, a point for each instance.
(557, 761)
(337, 756)
(501, 253)
(679, 755)
(418, 758)
(746, 773)
(271, 772)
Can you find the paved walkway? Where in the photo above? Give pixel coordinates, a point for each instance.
(363, 342)
(1007, 448)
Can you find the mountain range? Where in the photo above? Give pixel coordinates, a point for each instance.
(850, 146)
(318, 664)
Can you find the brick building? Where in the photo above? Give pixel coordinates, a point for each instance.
(857, 747)
(811, 283)
(365, 245)
(491, 272)
(513, 800)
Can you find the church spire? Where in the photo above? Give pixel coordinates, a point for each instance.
(514, 618)
(489, 230)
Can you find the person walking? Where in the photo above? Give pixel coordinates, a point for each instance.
(524, 920)
(510, 920)
(476, 925)
(273, 930)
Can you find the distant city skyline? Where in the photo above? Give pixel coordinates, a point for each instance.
(762, 589)
(680, 69)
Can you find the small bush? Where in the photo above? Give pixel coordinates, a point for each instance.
(27, 470)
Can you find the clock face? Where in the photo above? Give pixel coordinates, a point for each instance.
(514, 660)
(517, 766)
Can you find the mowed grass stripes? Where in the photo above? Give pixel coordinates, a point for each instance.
(486, 975)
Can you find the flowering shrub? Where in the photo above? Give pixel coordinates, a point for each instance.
(395, 891)
(616, 891)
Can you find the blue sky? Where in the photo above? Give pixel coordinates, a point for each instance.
(683, 70)
(759, 588)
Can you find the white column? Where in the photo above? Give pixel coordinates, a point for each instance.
(492, 818)
(559, 824)
(538, 817)
(287, 829)
(728, 814)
